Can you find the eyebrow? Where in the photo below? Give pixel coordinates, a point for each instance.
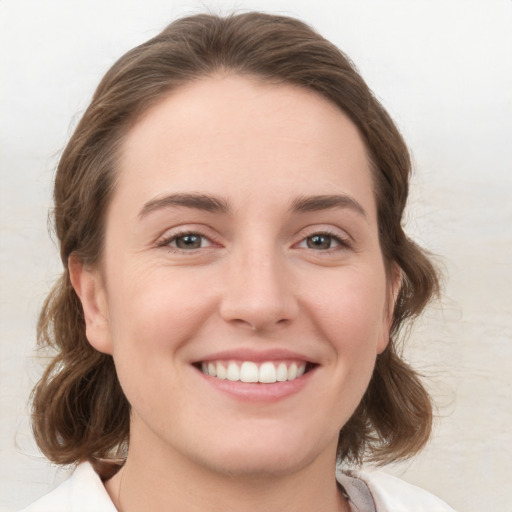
(326, 202)
(203, 202)
(213, 204)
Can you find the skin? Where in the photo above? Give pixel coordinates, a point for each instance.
(255, 282)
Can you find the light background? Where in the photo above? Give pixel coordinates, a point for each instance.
(443, 68)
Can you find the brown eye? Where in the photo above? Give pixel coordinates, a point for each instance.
(319, 242)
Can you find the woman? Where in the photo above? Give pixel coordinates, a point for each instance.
(229, 215)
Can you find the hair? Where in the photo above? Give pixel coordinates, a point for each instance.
(79, 409)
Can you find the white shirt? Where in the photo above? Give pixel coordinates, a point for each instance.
(367, 491)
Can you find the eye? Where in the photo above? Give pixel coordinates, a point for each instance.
(320, 242)
(323, 242)
(187, 241)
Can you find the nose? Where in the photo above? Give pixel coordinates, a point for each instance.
(259, 292)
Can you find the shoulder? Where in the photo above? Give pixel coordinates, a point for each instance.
(376, 491)
(84, 491)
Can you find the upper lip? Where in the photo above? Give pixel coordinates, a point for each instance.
(246, 354)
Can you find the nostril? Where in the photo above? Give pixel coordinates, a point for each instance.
(261, 303)
(262, 325)
(243, 323)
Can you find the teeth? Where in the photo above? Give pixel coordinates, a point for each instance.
(212, 370)
(233, 372)
(221, 372)
(248, 371)
(267, 373)
(282, 372)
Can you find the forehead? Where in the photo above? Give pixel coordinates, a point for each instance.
(237, 134)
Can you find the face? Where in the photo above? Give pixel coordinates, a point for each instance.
(242, 290)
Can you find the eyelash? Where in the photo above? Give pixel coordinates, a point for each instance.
(166, 242)
(342, 242)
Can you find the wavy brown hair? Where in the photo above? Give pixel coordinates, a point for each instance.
(79, 409)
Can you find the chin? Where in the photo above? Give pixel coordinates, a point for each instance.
(263, 456)
(258, 466)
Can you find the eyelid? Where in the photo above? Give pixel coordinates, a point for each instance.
(343, 239)
(203, 238)
(173, 233)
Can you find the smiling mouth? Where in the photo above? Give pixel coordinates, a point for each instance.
(267, 372)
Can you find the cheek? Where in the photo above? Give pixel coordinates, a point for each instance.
(350, 313)
(353, 305)
(153, 316)
(151, 319)
(157, 306)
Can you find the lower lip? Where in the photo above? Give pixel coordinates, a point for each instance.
(258, 392)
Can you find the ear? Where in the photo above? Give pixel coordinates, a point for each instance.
(394, 284)
(88, 285)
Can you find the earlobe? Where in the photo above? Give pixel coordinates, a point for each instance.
(88, 285)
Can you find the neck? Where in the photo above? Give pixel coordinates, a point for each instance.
(151, 482)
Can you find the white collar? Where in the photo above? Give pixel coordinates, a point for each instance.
(376, 491)
(373, 491)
